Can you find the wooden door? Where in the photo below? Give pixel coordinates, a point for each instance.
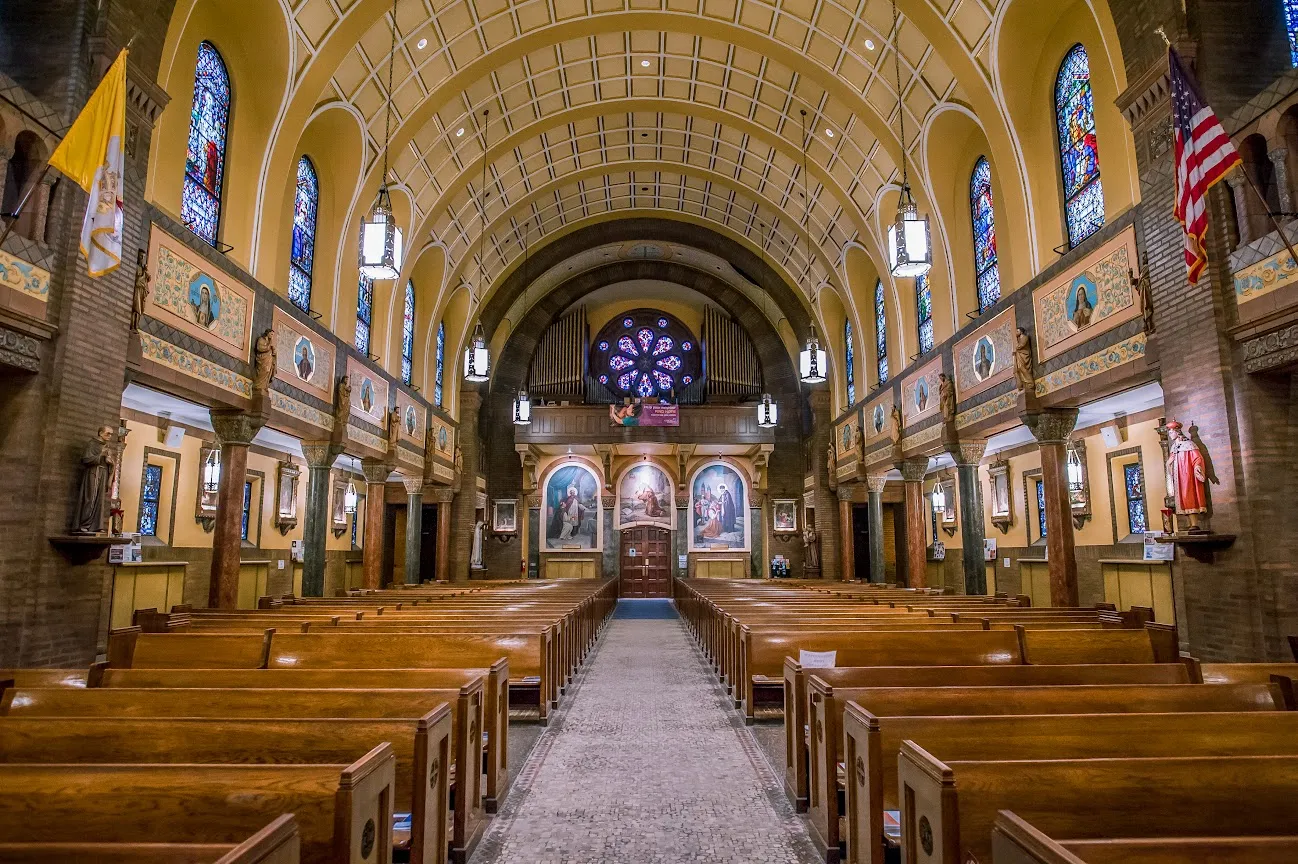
(645, 570)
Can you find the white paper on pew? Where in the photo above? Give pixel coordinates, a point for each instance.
(817, 659)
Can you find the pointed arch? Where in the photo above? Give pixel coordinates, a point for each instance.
(1079, 151)
(209, 121)
(306, 207)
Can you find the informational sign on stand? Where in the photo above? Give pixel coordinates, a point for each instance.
(1155, 551)
(989, 549)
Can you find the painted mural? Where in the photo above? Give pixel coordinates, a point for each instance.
(24, 277)
(718, 510)
(369, 393)
(1260, 279)
(644, 497)
(191, 295)
(845, 437)
(985, 357)
(572, 511)
(304, 359)
(919, 393)
(413, 419)
(878, 419)
(1094, 297)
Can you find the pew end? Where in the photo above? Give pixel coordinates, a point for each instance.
(277, 843)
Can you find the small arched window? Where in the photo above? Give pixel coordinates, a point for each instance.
(987, 273)
(1291, 24)
(364, 314)
(1079, 152)
(849, 366)
(924, 314)
(408, 333)
(209, 119)
(306, 203)
(880, 332)
(440, 360)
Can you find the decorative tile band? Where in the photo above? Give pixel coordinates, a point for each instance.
(360, 436)
(919, 439)
(25, 277)
(1258, 280)
(1102, 361)
(1002, 403)
(1278, 348)
(301, 411)
(175, 357)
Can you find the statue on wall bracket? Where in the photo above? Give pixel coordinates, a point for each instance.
(1187, 477)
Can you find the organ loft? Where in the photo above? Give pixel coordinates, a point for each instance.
(766, 430)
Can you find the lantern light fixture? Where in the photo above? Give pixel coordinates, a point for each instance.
(349, 500)
(768, 412)
(1076, 480)
(811, 363)
(910, 242)
(939, 498)
(381, 241)
(477, 359)
(522, 409)
(212, 473)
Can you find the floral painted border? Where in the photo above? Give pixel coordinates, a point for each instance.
(24, 277)
(1260, 279)
(175, 357)
(1102, 361)
(301, 411)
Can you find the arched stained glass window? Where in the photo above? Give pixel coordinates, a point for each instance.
(440, 360)
(849, 355)
(364, 314)
(988, 274)
(1291, 24)
(209, 119)
(924, 314)
(306, 203)
(880, 332)
(408, 333)
(645, 353)
(1079, 152)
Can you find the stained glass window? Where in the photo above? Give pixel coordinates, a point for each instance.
(209, 119)
(1079, 152)
(355, 518)
(849, 356)
(1133, 476)
(987, 273)
(247, 508)
(306, 203)
(880, 332)
(645, 354)
(924, 313)
(150, 496)
(408, 333)
(364, 314)
(1041, 509)
(1291, 23)
(440, 358)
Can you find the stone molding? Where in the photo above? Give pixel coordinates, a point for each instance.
(376, 470)
(320, 454)
(1053, 426)
(967, 452)
(233, 426)
(914, 470)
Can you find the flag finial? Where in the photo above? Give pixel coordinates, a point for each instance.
(1167, 43)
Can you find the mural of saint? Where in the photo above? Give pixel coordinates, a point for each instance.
(1081, 303)
(572, 509)
(847, 437)
(644, 497)
(921, 395)
(441, 438)
(367, 396)
(878, 419)
(304, 358)
(411, 420)
(204, 301)
(984, 358)
(718, 510)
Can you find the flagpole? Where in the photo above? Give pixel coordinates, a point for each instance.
(13, 217)
(1275, 223)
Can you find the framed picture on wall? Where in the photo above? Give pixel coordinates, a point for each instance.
(504, 517)
(786, 516)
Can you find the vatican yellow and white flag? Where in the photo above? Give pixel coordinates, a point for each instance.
(91, 155)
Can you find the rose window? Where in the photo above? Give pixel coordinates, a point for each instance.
(645, 354)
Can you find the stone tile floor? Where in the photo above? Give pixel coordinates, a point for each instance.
(644, 763)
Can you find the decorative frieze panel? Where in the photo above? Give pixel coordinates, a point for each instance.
(1124, 352)
(919, 393)
(1272, 350)
(19, 350)
(985, 357)
(24, 277)
(191, 295)
(1091, 299)
(369, 394)
(304, 359)
(187, 363)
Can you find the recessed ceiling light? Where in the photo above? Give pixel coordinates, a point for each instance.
(644, 188)
(644, 63)
(829, 132)
(869, 44)
(422, 44)
(459, 133)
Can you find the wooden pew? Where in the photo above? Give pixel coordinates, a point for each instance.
(277, 843)
(129, 648)
(495, 696)
(1046, 730)
(1237, 673)
(949, 807)
(45, 677)
(798, 700)
(343, 812)
(1014, 841)
(228, 704)
(1154, 643)
(423, 747)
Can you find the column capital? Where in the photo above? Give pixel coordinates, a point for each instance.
(470, 398)
(876, 482)
(818, 399)
(913, 470)
(414, 485)
(320, 454)
(375, 470)
(1052, 426)
(1279, 154)
(440, 495)
(233, 426)
(967, 452)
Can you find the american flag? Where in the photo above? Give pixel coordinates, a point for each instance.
(1204, 156)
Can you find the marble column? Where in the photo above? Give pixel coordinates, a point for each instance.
(1051, 429)
(845, 539)
(234, 431)
(973, 527)
(320, 456)
(875, 483)
(1240, 192)
(828, 509)
(912, 472)
(376, 475)
(1280, 159)
(414, 527)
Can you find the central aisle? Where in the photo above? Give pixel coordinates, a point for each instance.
(644, 764)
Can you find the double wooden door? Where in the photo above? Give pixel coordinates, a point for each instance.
(645, 570)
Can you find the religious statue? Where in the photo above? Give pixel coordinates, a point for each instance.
(1143, 287)
(1023, 371)
(830, 457)
(946, 397)
(394, 430)
(459, 461)
(1187, 477)
(96, 469)
(342, 402)
(264, 361)
(898, 424)
(142, 280)
(859, 440)
(475, 556)
(811, 550)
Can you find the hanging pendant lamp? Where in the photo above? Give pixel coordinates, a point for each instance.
(768, 412)
(477, 359)
(522, 409)
(811, 362)
(910, 242)
(381, 242)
